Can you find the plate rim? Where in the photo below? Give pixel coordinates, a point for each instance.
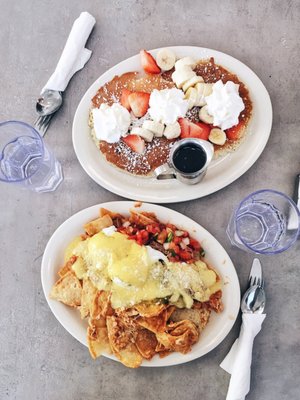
(133, 191)
(156, 362)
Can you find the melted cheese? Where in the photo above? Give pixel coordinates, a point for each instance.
(132, 275)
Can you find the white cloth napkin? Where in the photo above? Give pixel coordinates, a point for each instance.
(238, 360)
(74, 55)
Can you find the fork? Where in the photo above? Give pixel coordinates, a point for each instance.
(42, 123)
(256, 277)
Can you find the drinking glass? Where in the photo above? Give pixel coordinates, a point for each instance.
(265, 222)
(25, 159)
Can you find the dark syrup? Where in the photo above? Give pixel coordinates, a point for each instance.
(189, 158)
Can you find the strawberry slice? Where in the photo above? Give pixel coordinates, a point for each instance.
(201, 132)
(234, 133)
(184, 127)
(135, 142)
(124, 98)
(190, 129)
(139, 103)
(148, 63)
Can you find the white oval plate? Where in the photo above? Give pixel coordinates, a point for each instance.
(218, 326)
(221, 172)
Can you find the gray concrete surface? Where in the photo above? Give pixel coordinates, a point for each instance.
(39, 359)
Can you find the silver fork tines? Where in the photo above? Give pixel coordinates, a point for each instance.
(42, 123)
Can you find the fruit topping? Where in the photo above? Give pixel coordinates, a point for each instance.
(192, 82)
(165, 59)
(234, 133)
(144, 133)
(193, 130)
(148, 63)
(217, 136)
(205, 116)
(172, 131)
(135, 142)
(181, 76)
(156, 127)
(139, 103)
(124, 98)
(185, 62)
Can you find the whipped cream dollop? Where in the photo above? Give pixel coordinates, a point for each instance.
(111, 122)
(167, 105)
(225, 104)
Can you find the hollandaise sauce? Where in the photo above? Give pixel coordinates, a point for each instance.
(135, 273)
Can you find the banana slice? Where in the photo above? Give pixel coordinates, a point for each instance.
(182, 75)
(156, 127)
(204, 89)
(217, 136)
(185, 62)
(172, 131)
(208, 89)
(144, 133)
(165, 59)
(205, 116)
(192, 82)
(200, 89)
(192, 96)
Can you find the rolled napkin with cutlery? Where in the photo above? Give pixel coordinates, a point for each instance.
(238, 360)
(74, 55)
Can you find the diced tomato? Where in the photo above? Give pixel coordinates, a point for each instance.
(177, 239)
(174, 258)
(142, 236)
(132, 237)
(195, 244)
(174, 247)
(153, 228)
(172, 227)
(162, 236)
(185, 255)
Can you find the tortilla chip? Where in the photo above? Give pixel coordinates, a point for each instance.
(67, 266)
(98, 224)
(104, 211)
(142, 218)
(100, 306)
(87, 298)
(200, 317)
(121, 341)
(150, 309)
(158, 323)
(97, 340)
(179, 336)
(146, 343)
(67, 290)
(215, 301)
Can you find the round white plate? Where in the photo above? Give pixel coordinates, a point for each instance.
(219, 324)
(221, 172)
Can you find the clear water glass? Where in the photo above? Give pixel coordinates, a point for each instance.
(265, 222)
(25, 160)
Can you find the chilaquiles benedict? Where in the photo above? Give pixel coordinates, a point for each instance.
(143, 286)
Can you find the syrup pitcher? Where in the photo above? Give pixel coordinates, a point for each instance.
(188, 161)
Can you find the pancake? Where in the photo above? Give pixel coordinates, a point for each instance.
(157, 152)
